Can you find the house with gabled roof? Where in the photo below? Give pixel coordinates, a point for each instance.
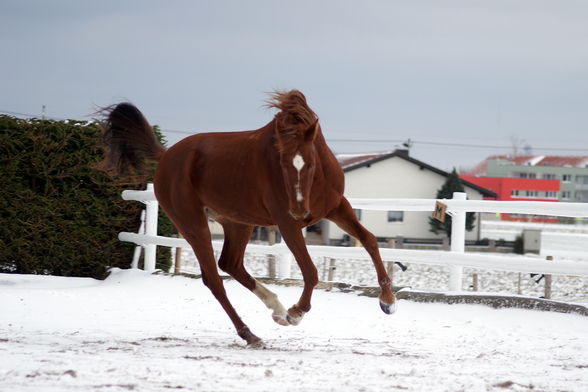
(395, 174)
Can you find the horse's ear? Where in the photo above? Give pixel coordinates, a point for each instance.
(312, 131)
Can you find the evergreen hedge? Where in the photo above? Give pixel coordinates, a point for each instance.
(59, 215)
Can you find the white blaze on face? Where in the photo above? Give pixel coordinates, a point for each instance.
(298, 163)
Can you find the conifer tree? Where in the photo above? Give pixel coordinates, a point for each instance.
(452, 184)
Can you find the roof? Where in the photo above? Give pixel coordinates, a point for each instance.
(351, 162)
(533, 160)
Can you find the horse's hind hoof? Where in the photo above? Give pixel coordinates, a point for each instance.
(293, 320)
(388, 308)
(296, 317)
(281, 319)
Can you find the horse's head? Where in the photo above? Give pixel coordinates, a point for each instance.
(296, 127)
(297, 161)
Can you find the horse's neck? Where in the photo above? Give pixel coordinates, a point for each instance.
(324, 153)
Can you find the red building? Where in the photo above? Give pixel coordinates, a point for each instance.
(515, 189)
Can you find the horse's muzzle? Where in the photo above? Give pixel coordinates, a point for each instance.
(301, 216)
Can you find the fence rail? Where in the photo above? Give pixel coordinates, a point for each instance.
(456, 259)
(572, 210)
(433, 257)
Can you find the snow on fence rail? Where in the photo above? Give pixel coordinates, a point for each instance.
(456, 259)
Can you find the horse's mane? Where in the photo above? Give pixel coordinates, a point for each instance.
(294, 117)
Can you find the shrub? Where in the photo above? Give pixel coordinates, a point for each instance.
(59, 215)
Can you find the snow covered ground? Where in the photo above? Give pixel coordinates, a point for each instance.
(141, 332)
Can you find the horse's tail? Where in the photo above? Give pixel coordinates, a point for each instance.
(128, 140)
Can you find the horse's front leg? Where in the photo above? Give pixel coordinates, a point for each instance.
(293, 237)
(346, 219)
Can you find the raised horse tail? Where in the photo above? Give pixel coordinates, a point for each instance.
(129, 140)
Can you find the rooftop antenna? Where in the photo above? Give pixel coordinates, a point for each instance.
(407, 144)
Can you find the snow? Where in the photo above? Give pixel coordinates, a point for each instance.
(142, 332)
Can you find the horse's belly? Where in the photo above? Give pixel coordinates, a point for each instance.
(221, 215)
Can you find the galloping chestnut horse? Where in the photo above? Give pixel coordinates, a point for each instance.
(281, 174)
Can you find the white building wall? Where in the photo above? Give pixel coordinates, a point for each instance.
(395, 178)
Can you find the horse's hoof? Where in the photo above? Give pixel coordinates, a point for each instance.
(246, 334)
(294, 315)
(388, 308)
(293, 320)
(281, 319)
(255, 343)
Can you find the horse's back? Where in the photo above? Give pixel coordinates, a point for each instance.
(234, 174)
(222, 171)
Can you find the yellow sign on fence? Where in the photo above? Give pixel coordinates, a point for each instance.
(439, 212)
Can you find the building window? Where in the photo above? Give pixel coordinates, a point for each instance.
(548, 176)
(514, 192)
(395, 216)
(566, 195)
(582, 196)
(531, 193)
(566, 178)
(357, 214)
(523, 175)
(550, 194)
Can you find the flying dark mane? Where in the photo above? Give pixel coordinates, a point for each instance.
(294, 110)
(295, 116)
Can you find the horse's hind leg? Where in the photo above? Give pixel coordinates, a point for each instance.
(231, 261)
(194, 227)
(345, 218)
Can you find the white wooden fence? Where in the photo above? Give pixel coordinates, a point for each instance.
(456, 259)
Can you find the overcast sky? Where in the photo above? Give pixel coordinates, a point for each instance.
(462, 73)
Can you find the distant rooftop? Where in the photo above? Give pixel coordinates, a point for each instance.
(348, 161)
(532, 160)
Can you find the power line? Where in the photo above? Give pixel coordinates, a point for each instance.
(460, 145)
(499, 147)
(40, 116)
(176, 131)
(18, 114)
(390, 141)
(423, 142)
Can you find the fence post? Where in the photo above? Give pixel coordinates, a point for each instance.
(331, 275)
(137, 253)
(445, 244)
(399, 242)
(548, 281)
(458, 222)
(491, 245)
(178, 261)
(284, 261)
(475, 284)
(151, 212)
(284, 264)
(271, 259)
(390, 264)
